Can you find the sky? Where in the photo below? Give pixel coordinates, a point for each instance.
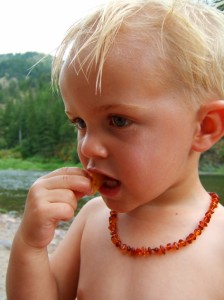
(38, 25)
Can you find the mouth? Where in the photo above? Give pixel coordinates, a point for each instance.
(106, 185)
(110, 183)
(109, 186)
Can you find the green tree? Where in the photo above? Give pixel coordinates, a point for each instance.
(219, 4)
(32, 118)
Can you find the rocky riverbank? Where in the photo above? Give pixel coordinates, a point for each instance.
(8, 226)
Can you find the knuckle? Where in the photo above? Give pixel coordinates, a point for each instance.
(33, 191)
(71, 195)
(68, 211)
(37, 183)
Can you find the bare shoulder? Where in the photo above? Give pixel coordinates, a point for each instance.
(92, 213)
(93, 206)
(71, 243)
(62, 264)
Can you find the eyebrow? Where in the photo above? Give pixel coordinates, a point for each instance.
(121, 106)
(112, 106)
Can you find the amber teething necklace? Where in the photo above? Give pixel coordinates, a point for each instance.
(146, 251)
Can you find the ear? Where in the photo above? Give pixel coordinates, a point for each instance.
(210, 125)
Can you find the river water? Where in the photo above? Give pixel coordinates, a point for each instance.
(14, 185)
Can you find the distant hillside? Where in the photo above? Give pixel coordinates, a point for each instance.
(18, 65)
(18, 74)
(32, 118)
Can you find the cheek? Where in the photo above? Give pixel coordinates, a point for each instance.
(153, 155)
(135, 161)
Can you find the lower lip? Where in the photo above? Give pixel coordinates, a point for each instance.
(109, 191)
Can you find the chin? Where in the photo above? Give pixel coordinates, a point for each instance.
(118, 206)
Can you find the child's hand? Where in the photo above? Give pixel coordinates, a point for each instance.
(52, 198)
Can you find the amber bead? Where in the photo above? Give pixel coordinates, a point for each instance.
(175, 246)
(155, 250)
(146, 251)
(133, 251)
(138, 252)
(162, 249)
(197, 232)
(124, 248)
(190, 238)
(169, 246)
(182, 243)
(149, 250)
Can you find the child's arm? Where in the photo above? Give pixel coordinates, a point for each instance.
(52, 198)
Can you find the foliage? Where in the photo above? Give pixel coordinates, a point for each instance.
(219, 4)
(34, 163)
(213, 158)
(32, 118)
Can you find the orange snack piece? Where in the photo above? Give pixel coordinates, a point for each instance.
(97, 181)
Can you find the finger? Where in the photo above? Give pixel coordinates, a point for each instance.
(66, 171)
(46, 209)
(60, 212)
(38, 227)
(62, 196)
(76, 183)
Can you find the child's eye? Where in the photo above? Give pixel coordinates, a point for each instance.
(79, 123)
(119, 121)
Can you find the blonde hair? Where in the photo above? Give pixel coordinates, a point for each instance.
(187, 37)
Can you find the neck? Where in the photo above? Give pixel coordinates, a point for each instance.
(177, 200)
(170, 246)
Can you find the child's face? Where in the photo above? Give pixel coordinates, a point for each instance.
(135, 132)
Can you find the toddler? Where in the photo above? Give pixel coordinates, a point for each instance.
(143, 83)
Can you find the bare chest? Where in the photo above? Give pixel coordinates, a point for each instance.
(171, 276)
(192, 273)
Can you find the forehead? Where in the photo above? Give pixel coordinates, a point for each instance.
(129, 61)
(131, 76)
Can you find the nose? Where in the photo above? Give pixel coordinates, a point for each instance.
(91, 145)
